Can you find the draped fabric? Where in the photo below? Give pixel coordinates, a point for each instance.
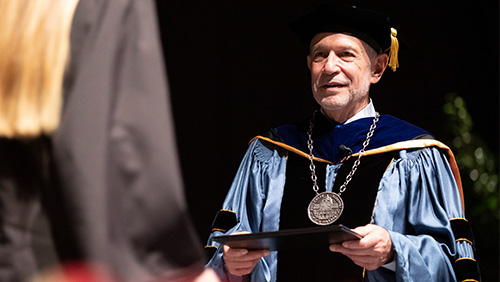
(115, 150)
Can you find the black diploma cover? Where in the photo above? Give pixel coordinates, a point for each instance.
(290, 239)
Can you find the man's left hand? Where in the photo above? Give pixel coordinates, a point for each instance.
(370, 252)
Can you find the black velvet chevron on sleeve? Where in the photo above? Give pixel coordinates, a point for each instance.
(462, 230)
(466, 269)
(224, 220)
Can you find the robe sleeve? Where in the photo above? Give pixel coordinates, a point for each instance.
(417, 200)
(261, 170)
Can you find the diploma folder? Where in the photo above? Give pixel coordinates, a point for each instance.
(291, 239)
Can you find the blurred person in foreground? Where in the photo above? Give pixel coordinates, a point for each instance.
(391, 181)
(87, 139)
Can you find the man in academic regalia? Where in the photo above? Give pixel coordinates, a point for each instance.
(389, 180)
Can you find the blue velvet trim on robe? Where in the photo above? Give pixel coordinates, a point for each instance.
(329, 136)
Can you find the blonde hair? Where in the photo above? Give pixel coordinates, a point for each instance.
(34, 49)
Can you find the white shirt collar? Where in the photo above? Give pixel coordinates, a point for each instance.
(368, 111)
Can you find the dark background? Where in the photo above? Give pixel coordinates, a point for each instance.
(235, 70)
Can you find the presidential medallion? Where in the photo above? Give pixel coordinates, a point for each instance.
(325, 208)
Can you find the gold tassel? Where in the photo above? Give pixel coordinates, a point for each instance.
(393, 50)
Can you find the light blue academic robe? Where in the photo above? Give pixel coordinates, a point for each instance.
(417, 196)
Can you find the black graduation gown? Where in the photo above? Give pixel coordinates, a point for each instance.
(120, 184)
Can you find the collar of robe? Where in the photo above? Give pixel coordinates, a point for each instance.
(331, 139)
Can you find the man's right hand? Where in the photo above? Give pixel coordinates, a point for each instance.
(242, 261)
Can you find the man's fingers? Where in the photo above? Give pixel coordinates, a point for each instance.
(242, 261)
(365, 261)
(351, 249)
(242, 264)
(234, 252)
(244, 254)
